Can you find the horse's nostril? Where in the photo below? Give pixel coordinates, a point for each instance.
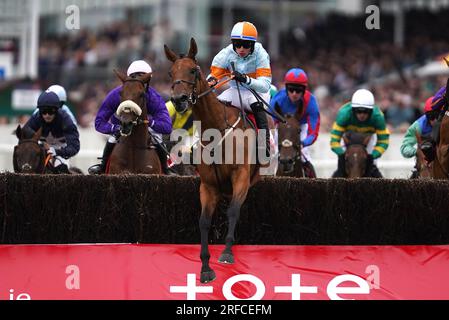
(180, 99)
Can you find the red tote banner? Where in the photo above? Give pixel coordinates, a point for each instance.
(171, 272)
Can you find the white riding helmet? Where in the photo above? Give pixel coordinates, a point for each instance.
(60, 92)
(362, 98)
(139, 66)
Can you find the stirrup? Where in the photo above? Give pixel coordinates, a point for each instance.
(95, 169)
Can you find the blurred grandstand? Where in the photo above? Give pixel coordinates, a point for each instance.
(400, 62)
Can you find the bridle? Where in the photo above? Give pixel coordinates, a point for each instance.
(359, 145)
(287, 143)
(138, 120)
(193, 97)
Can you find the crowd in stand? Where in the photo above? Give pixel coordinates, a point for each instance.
(338, 53)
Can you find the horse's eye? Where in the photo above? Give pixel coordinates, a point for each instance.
(193, 71)
(170, 74)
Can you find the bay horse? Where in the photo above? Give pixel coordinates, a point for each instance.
(133, 152)
(30, 154)
(231, 180)
(440, 166)
(356, 155)
(290, 163)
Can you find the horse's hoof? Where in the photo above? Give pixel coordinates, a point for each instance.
(207, 276)
(227, 258)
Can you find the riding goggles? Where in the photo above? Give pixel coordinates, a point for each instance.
(49, 111)
(362, 110)
(296, 89)
(241, 43)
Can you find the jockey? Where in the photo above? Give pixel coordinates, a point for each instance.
(363, 116)
(59, 130)
(422, 127)
(62, 95)
(252, 70)
(159, 119)
(439, 102)
(297, 98)
(183, 121)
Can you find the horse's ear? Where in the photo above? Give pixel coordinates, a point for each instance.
(193, 49)
(18, 132)
(146, 77)
(120, 75)
(170, 54)
(37, 134)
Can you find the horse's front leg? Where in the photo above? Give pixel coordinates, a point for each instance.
(209, 197)
(240, 187)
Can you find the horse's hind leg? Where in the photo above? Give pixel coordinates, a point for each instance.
(240, 190)
(209, 198)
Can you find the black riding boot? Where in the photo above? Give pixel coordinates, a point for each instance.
(428, 148)
(101, 168)
(163, 158)
(262, 123)
(341, 171)
(62, 168)
(372, 170)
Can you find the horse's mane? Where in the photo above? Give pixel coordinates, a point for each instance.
(356, 137)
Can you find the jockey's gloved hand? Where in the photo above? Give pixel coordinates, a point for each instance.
(211, 80)
(243, 78)
(51, 151)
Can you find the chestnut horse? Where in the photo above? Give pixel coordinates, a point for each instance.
(191, 90)
(133, 152)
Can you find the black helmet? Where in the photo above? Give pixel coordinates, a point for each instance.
(48, 99)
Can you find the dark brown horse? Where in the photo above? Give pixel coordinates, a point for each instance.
(134, 153)
(30, 154)
(356, 155)
(423, 168)
(217, 180)
(290, 163)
